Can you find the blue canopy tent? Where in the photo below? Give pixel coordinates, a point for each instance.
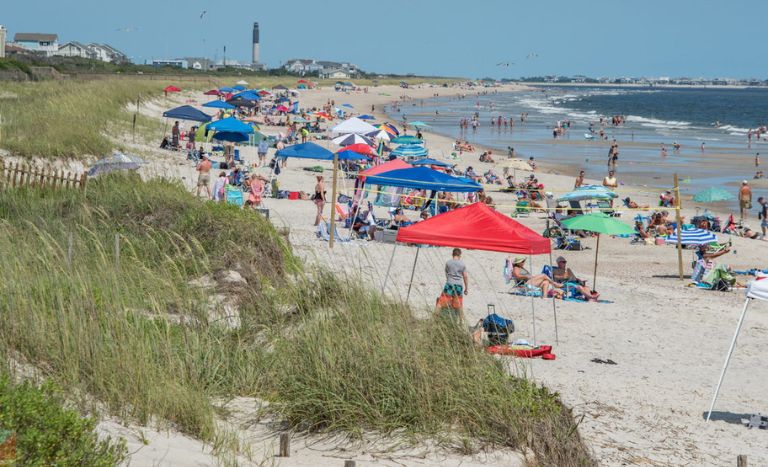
(231, 136)
(247, 95)
(306, 151)
(410, 150)
(428, 161)
(423, 178)
(230, 124)
(219, 105)
(187, 112)
(238, 87)
(227, 89)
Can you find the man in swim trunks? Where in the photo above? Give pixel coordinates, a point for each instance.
(204, 176)
(745, 199)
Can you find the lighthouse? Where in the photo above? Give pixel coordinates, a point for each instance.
(255, 45)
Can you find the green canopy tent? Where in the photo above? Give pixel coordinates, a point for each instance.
(712, 195)
(600, 224)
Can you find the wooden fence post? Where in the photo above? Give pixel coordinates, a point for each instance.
(70, 248)
(741, 460)
(117, 251)
(83, 180)
(349, 463)
(285, 445)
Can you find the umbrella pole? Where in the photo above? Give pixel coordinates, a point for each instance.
(594, 277)
(728, 357)
(413, 271)
(333, 200)
(554, 302)
(679, 228)
(386, 276)
(533, 304)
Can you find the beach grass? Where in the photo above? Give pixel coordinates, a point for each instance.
(132, 325)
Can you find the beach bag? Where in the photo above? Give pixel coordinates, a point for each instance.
(498, 329)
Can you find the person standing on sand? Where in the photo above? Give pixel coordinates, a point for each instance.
(204, 176)
(262, 151)
(579, 180)
(175, 133)
(763, 216)
(745, 199)
(451, 301)
(757, 160)
(319, 198)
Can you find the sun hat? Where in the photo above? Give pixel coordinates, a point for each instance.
(518, 260)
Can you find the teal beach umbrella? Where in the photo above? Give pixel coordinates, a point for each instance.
(712, 195)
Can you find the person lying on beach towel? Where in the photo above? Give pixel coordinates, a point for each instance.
(562, 273)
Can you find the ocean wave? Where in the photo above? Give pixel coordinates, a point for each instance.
(656, 122)
(734, 130)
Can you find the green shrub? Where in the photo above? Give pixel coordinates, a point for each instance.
(47, 433)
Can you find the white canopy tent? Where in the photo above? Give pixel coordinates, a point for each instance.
(353, 126)
(757, 290)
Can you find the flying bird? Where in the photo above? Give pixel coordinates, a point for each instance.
(203, 13)
(532, 55)
(127, 29)
(505, 64)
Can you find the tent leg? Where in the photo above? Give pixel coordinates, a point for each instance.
(533, 305)
(728, 357)
(386, 276)
(554, 302)
(594, 277)
(413, 271)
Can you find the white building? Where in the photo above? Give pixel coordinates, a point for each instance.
(304, 65)
(47, 44)
(107, 53)
(335, 73)
(75, 49)
(176, 63)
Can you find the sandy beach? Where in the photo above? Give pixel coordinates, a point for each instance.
(668, 340)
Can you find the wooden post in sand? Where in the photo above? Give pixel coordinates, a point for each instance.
(352, 464)
(285, 445)
(679, 219)
(333, 199)
(741, 460)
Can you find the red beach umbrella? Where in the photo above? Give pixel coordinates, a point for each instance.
(171, 89)
(359, 148)
(212, 92)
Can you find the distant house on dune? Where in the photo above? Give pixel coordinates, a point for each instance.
(43, 43)
(107, 53)
(334, 73)
(75, 49)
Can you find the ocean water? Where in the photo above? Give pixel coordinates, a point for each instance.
(718, 118)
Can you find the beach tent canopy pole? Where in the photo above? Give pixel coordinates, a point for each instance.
(413, 271)
(386, 276)
(679, 228)
(333, 199)
(554, 302)
(728, 357)
(594, 276)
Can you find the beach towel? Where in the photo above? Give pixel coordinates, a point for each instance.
(323, 233)
(522, 350)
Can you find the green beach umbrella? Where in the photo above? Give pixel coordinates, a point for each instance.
(418, 124)
(600, 224)
(712, 195)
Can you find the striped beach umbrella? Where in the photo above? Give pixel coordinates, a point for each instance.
(693, 237)
(346, 140)
(410, 150)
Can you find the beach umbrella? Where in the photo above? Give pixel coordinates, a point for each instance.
(227, 89)
(756, 290)
(407, 139)
(432, 162)
(359, 148)
(346, 140)
(219, 105)
(300, 120)
(389, 128)
(692, 237)
(712, 195)
(212, 92)
(242, 102)
(367, 117)
(116, 161)
(418, 124)
(379, 135)
(351, 156)
(353, 125)
(600, 224)
(279, 87)
(168, 89)
(238, 87)
(588, 192)
(281, 108)
(242, 82)
(349, 106)
(410, 150)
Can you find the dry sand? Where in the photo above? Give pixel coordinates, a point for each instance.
(668, 340)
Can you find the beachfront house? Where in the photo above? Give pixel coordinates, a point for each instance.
(302, 66)
(75, 49)
(335, 73)
(107, 53)
(175, 63)
(47, 44)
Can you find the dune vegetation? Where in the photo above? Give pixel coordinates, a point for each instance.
(154, 304)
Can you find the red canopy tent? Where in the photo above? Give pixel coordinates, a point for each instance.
(394, 164)
(474, 227)
(359, 148)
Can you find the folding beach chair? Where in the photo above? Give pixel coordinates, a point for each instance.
(234, 195)
(522, 208)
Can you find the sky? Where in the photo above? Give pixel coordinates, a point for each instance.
(427, 37)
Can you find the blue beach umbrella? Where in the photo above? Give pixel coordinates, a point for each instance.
(349, 106)
(219, 105)
(407, 139)
(238, 87)
(227, 89)
(693, 237)
(418, 124)
(116, 161)
(410, 150)
(367, 117)
(428, 161)
(588, 192)
(712, 195)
